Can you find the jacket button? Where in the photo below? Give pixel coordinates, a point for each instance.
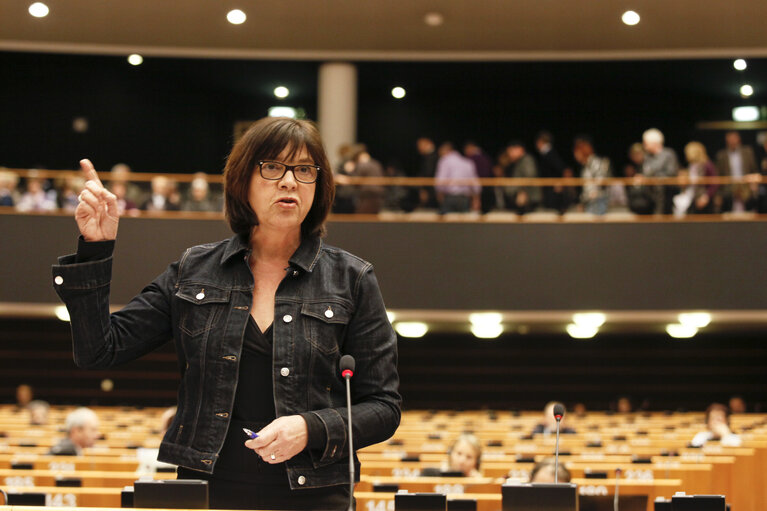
(59, 280)
(200, 295)
(301, 480)
(284, 371)
(287, 318)
(222, 414)
(329, 313)
(207, 462)
(230, 357)
(295, 273)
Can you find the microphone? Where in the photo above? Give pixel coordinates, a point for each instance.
(347, 371)
(559, 412)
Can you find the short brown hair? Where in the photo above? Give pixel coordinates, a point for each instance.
(718, 407)
(265, 140)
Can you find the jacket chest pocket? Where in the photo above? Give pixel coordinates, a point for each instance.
(201, 306)
(324, 324)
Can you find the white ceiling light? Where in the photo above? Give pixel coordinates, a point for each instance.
(398, 92)
(581, 331)
(433, 19)
(746, 91)
(745, 113)
(411, 329)
(135, 59)
(679, 331)
(61, 312)
(486, 330)
(695, 319)
(282, 111)
(589, 319)
(630, 18)
(740, 64)
(39, 10)
(236, 17)
(281, 92)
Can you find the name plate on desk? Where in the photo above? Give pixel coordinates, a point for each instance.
(540, 497)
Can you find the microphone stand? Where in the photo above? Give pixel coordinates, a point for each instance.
(556, 455)
(347, 376)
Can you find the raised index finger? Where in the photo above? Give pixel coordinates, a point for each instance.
(89, 171)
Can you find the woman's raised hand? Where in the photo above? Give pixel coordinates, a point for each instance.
(96, 215)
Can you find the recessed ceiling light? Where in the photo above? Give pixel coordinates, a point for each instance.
(630, 18)
(581, 331)
(745, 114)
(398, 92)
(433, 19)
(62, 313)
(411, 328)
(486, 330)
(746, 91)
(39, 10)
(679, 331)
(135, 59)
(236, 17)
(281, 92)
(740, 64)
(283, 111)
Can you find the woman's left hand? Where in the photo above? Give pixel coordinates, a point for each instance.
(281, 439)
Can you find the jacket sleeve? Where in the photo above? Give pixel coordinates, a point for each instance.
(101, 339)
(371, 340)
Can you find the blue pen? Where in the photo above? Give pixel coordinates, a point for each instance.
(250, 433)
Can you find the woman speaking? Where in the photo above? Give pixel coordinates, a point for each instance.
(260, 322)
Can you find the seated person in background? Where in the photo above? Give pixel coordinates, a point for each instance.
(164, 196)
(24, 395)
(737, 405)
(36, 197)
(147, 457)
(8, 183)
(718, 428)
(200, 198)
(38, 412)
(543, 472)
(82, 427)
(624, 405)
(464, 456)
(548, 426)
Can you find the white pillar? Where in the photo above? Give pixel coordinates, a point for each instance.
(337, 106)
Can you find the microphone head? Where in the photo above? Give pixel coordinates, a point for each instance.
(346, 363)
(559, 411)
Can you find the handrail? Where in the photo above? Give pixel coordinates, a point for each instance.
(430, 181)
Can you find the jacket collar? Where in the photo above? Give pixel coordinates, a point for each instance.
(305, 257)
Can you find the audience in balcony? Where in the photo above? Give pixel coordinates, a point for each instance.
(522, 199)
(738, 161)
(69, 188)
(200, 197)
(427, 167)
(595, 196)
(82, 428)
(164, 196)
(483, 164)
(369, 198)
(659, 162)
(8, 183)
(36, 198)
(456, 198)
(551, 165)
(696, 198)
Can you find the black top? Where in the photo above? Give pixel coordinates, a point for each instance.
(254, 399)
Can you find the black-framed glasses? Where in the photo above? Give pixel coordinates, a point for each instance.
(274, 170)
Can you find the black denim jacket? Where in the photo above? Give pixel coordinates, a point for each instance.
(328, 305)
